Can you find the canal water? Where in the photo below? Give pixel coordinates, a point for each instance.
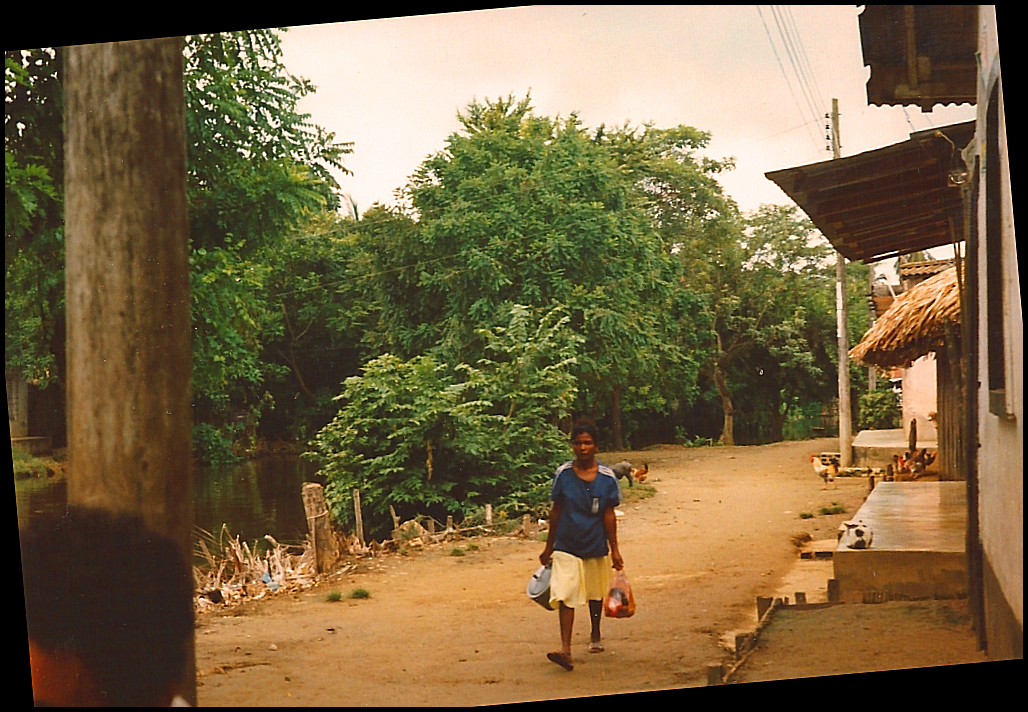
(252, 498)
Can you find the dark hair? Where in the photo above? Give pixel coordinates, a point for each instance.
(587, 428)
(114, 593)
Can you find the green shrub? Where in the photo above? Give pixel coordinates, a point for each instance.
(25, 465)
(880, 410)
(433, 439)
(212, 446)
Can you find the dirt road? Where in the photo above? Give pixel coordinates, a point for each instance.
(446, 630)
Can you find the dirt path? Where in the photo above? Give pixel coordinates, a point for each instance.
(445, 630)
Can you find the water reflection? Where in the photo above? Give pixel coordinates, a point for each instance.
(252, 498)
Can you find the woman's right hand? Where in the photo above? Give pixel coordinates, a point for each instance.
(547, 556)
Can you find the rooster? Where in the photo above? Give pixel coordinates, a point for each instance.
(826, 472)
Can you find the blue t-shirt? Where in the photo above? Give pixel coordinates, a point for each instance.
(580, 528)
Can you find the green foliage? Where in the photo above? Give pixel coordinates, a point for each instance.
(430, 439)
(25, 465)
(255, 164)
(521, 209)
(767, 313)
(212, 446)
(538, 268)
(697, 441)
(359, 594)
(256, 168)
(257, 171)
(34, 216)
(317, 320)
(880, 410)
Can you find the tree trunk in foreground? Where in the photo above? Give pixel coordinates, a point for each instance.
(129, 339)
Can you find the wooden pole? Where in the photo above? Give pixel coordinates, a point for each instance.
(872, 372)
(127, 288)
(319, 521)
(358, 518)
(842, 322)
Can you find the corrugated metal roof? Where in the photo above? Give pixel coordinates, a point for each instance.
(887, 202)
(920, 54)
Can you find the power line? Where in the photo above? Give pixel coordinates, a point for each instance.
(801, 66)
(790, 53)
(784, 76)
(803, 54)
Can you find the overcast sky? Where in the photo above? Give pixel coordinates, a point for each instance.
(394, 86)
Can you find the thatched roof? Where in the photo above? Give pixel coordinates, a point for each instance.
(914, 325)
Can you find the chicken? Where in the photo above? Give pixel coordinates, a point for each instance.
(900, 470)
(826, 472)
(641, 473)
(919, 461)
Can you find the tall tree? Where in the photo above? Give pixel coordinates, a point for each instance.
(256, 166)
(258, 169)
(34, 332)
(793, 362)
(766, 281)
(532, 210)
(321, 311)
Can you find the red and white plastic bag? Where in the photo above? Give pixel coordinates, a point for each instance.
(619, 601)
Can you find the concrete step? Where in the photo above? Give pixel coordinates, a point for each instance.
(917, 549)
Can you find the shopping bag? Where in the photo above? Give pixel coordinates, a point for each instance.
(619, 602)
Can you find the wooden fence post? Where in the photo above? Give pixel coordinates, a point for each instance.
(320, 523)
(358, 518)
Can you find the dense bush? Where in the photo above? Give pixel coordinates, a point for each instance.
(432, 439)
(880, 410)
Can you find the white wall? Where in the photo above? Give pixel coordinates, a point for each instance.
(1001, 455)
(920, 395)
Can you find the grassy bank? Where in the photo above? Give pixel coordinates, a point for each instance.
(26, 466)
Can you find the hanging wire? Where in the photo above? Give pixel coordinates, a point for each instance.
(786, 78)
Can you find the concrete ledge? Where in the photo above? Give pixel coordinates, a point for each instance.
(900, 575)
(917, 551)
(875, 448)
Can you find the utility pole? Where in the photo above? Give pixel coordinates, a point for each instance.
(872, 372)
(845, 420)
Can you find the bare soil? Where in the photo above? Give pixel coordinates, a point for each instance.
(439, 629)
